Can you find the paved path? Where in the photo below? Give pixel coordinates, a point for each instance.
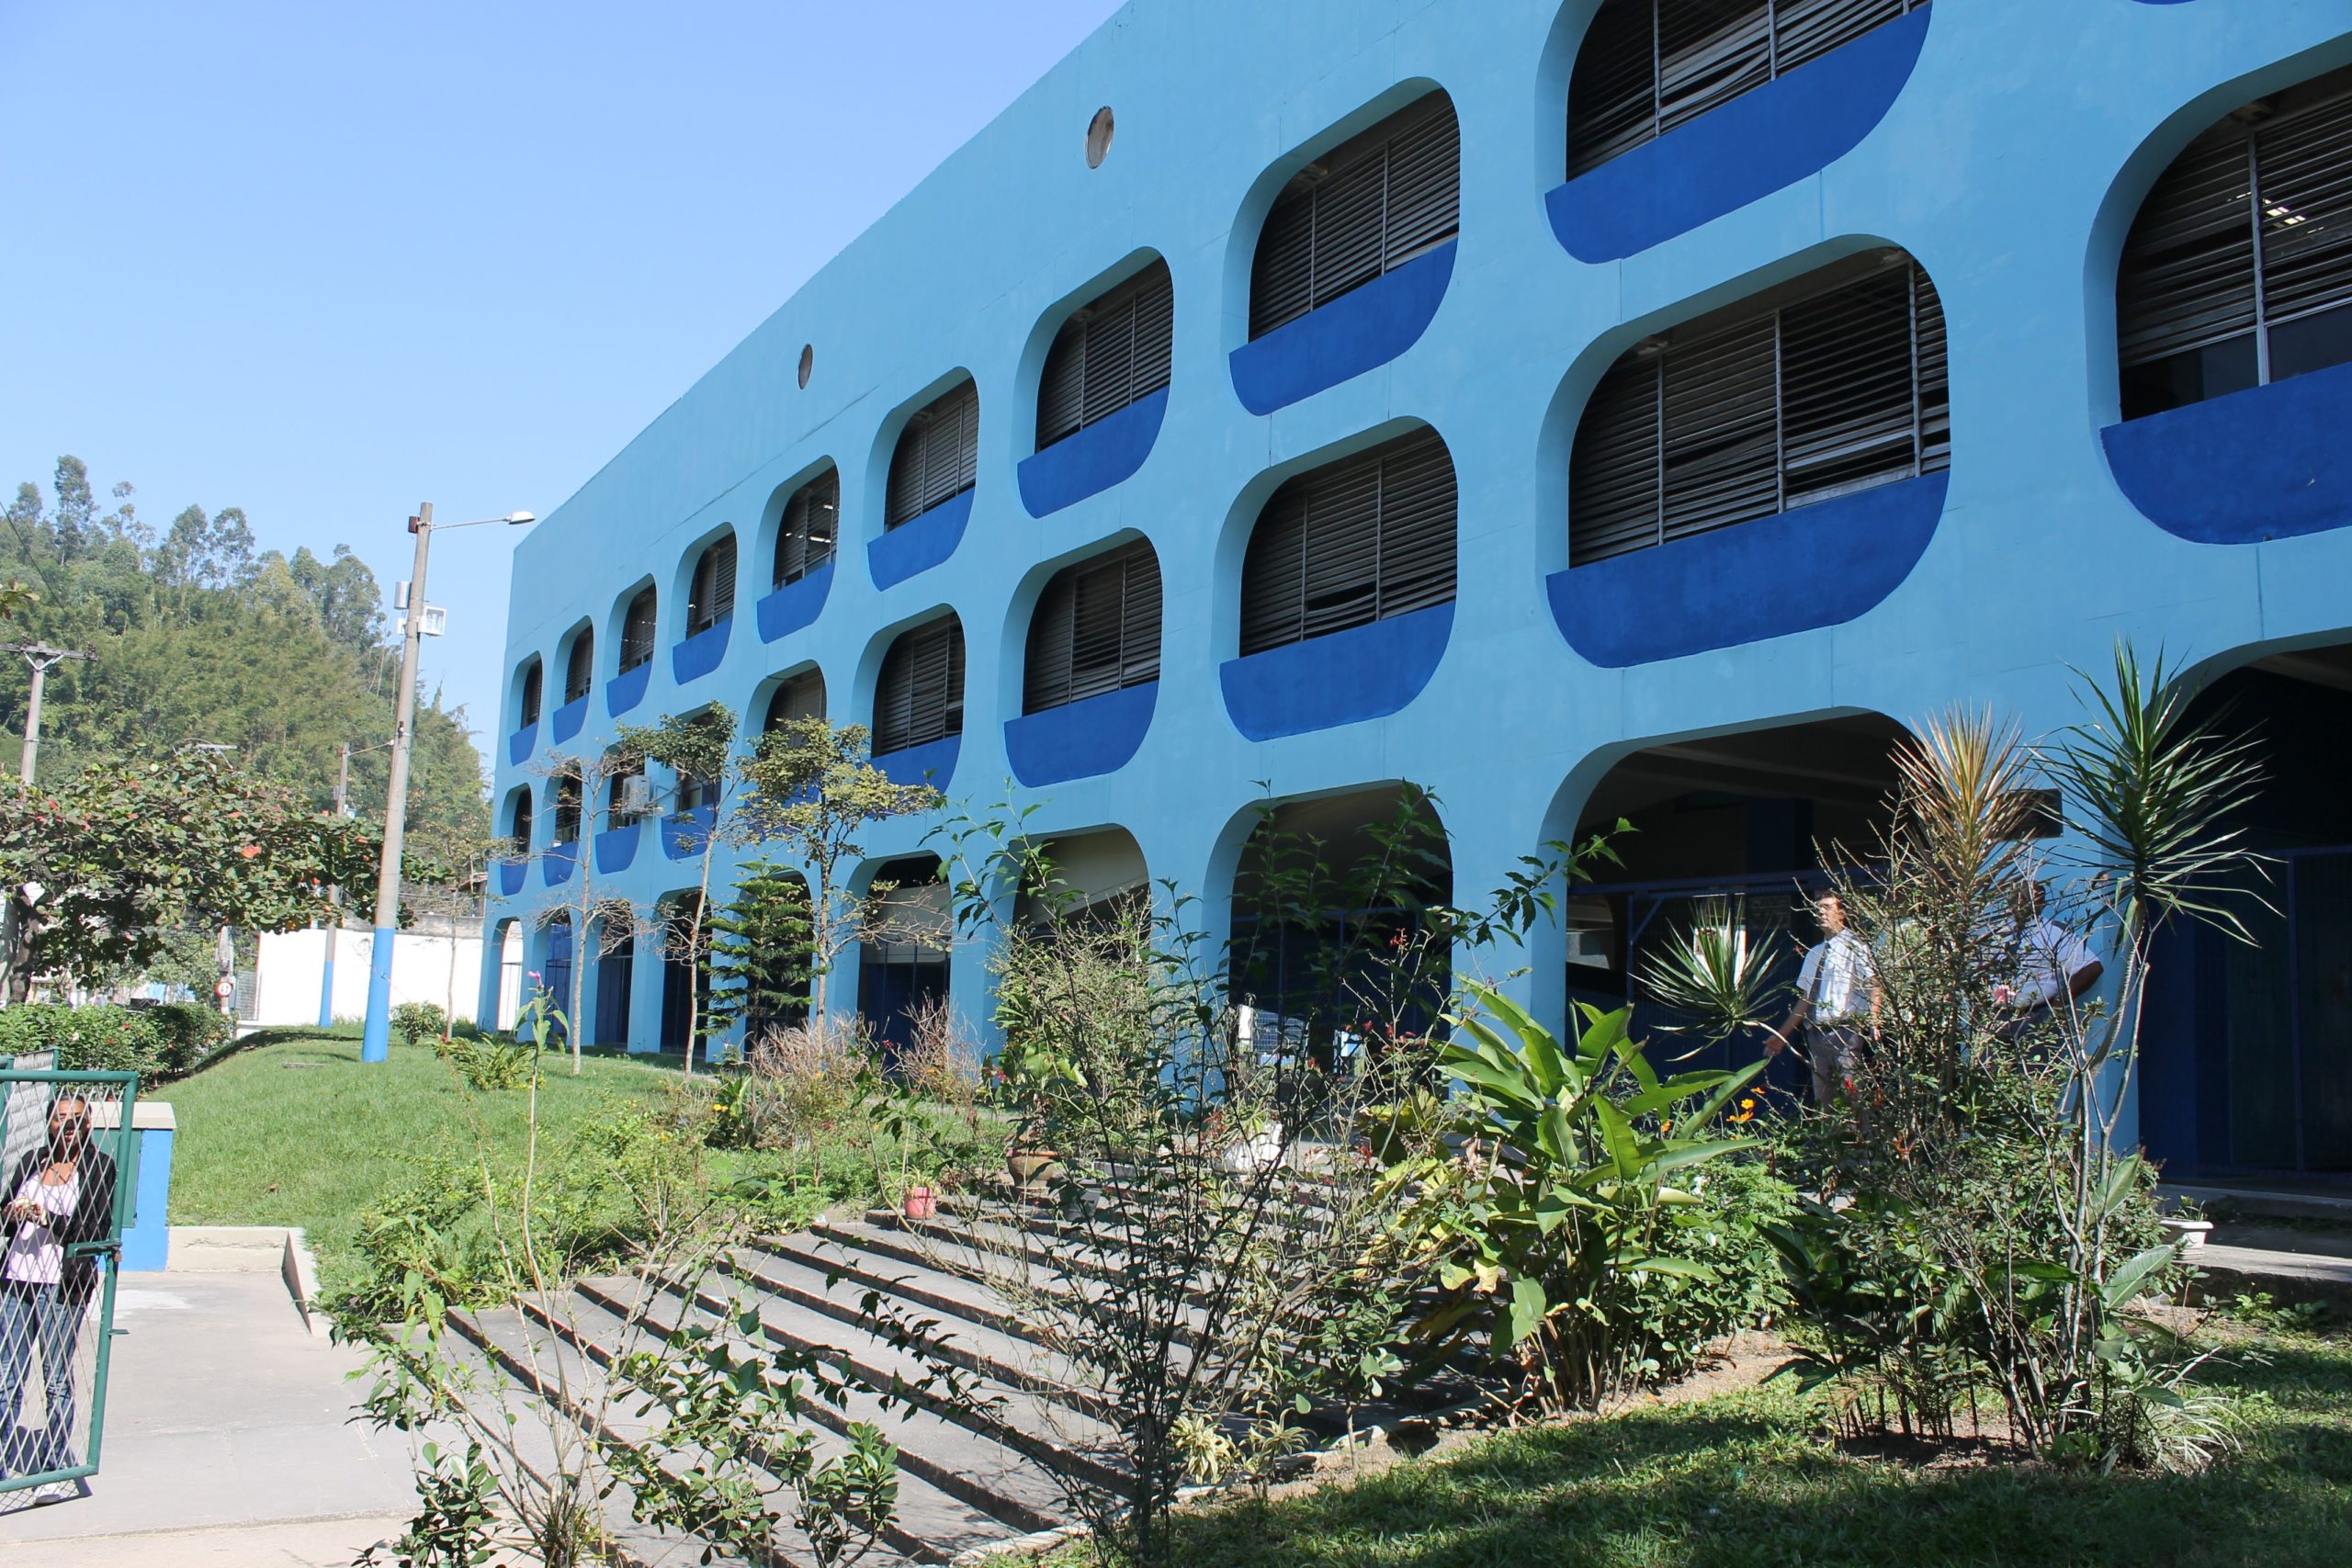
(228, 1442)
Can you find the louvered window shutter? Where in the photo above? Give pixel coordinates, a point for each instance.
(2238, 267)
(567, 811)
(1647, 66)
(522, 830)
(530, 695)
(1096, 629)
(637, 631)
(580, 668)
(1108, 354)
(937, 455)
(801, 696)
(1365, 538)
(1837, 391)
(920, 697)
(714, 587)
(803, 538)
(1370, 206)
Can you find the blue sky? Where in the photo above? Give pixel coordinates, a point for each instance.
(325, 261)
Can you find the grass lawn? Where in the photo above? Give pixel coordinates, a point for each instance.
(1746, 1481)
(299, 1131)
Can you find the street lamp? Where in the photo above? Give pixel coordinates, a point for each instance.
(375, 1043)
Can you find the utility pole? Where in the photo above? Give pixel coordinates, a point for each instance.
(376, 1040)
(41, 657)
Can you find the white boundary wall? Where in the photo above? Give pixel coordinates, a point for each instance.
(286, 978)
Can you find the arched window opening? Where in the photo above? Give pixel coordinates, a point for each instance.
(1362, 210)
(710, 598)
(920, 697)
(805, 536)
(580, 666)
(1359, 540)
(519, 823)
(566, 810)
(937, 456)
(626, 798)
(1647, 66)
(1110, 354)
(1834, 384)
(637, 631)
(1096, 629)
(530, 703)
(2238, 270)
(799, 696)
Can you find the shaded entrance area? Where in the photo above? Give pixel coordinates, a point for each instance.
(1735, 822)
(1329, 902)
(2247, 1049)
(680, 979)
(616, 972)
(902, 967)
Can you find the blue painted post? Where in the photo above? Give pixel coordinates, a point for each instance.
(326, 985)
(146, 1241)
(376, 1042)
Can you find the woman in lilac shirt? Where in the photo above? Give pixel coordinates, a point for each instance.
(59, 1197)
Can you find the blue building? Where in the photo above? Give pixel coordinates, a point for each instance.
(1581, 408)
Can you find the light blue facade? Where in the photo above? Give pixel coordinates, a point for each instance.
(2016, 141)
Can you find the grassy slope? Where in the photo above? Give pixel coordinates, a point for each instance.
(1745, 1482)
(299, 1133)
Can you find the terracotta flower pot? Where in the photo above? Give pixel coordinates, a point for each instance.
(1028, 1167)
(921, 1203)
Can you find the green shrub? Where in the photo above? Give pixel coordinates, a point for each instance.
(159, 1043)
(416, 1022)
(193, 1033)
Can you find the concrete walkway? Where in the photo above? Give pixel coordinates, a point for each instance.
(228, 1442)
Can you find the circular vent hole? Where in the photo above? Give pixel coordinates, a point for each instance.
(1098, 137)
(808, 361)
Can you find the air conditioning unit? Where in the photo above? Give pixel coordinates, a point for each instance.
(637, 796)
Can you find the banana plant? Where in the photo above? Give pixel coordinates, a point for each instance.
(1567, 1167)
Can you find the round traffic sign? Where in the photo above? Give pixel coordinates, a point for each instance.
(225, 990)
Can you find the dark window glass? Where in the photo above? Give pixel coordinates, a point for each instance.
(580, 666)
(800, 696)
(530, 714)
(637, 631)
(711, 597)
(566, 810)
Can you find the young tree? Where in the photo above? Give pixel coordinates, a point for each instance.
(814, 793)
(699, 747)
(601, 924)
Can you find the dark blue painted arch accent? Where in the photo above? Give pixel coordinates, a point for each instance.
(1817, 566)
(1092, 459)
(1357, 332)
(512, 874)
(556, 865)
(683, 835)
(616, 847)
(795, 606)
(2268, 463)
(1078, 740)
(1776, 135)
(934, 762)
(626, 690)
(1345, 677)
(699, 654)
(519, 744)
(919, 543)
(565, 722)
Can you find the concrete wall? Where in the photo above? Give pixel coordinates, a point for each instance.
(287, 980)
(2016, 140)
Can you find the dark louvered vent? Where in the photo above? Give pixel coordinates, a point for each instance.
(637, 631)
(712, 598)
(696, 790)
(1096, 629)
(1752, 413)
(1367, 208)
(2238, 270)
(800, 696)
(1647, 66)
(1363, 540)
(937, 456)
(805, 534)
(521, 828)
(1108, 355)
(920, 697)
(580, 666)
(531, 681)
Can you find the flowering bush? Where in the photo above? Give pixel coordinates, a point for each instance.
(157, 1042)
